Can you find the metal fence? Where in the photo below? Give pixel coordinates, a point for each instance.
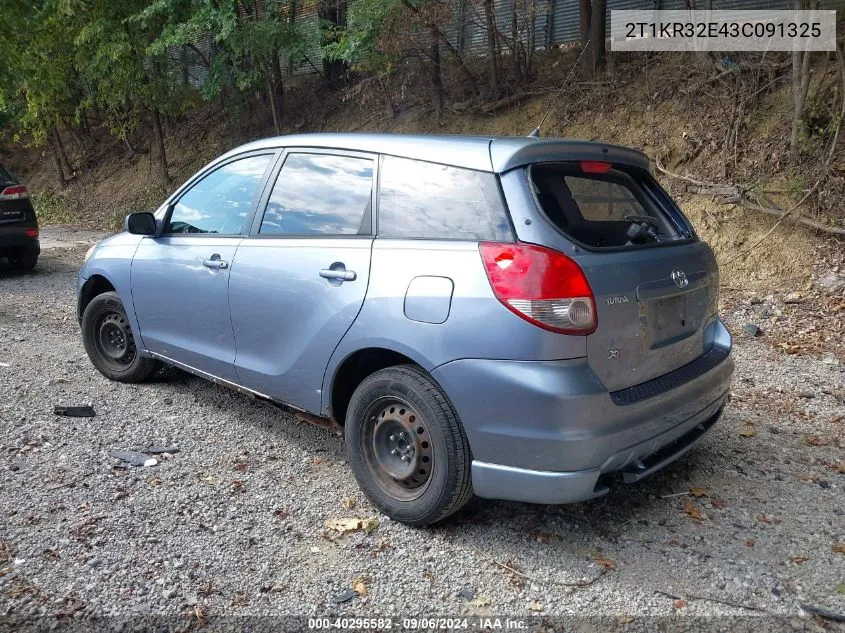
(555, 23)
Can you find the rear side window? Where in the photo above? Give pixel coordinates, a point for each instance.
(604, 206)
(222, 200)
(427, 200)
(320, 194)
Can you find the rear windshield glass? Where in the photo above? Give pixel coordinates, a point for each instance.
(605, 206)
(6, 177)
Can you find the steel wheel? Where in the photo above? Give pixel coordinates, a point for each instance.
(398, 448)
(114, 340)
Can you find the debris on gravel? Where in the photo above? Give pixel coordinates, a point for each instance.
(743, 525)
(75, 412)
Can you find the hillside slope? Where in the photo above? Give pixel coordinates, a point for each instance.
(717, 126)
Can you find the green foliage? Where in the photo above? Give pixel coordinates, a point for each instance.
(359, 44)
(53, 208)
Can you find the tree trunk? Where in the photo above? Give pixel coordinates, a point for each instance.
(514, 39)
(436, 76)
(274, 107)
(800, 82)
(598, 23)
(278, 90)
(60, 149)
(491, 48)
(388, 98)
(333, 12)
(584, 15)
(161, 157)
(60, 175)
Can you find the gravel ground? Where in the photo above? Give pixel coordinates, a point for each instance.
(235, 522)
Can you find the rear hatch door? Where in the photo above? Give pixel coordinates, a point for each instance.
(655, 283)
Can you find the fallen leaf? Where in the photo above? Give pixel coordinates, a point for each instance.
(352, 525)
(698, 492)
(840, 468)
(750, 542)
(359, 585)
(692, 510)
(536, 605)
(624, 619)
(349, 503)
(428, 576)
(768, 518)
(841, 588)
(749, 430)
(483, 601)
(319, 461)
(718, 503)
(673, 542)
(680, 603)
(542, 537)
(281, 513)
(383, 544)
(816, 440)
(800, 558)
(208, 479)
(156, 482)
(838, 547)
(601, 559)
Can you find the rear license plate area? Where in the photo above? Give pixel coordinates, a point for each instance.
(670, 318)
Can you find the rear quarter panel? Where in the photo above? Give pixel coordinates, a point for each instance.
(477, 324)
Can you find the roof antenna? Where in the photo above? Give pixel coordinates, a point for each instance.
(535, 133)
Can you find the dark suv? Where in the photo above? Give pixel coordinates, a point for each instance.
(18, 224)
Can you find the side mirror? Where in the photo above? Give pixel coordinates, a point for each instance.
(140, 224)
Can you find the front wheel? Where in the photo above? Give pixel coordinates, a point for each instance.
(406, 446)
(110, 343)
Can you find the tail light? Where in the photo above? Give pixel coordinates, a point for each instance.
(31, 232)
(540, 285)
(15, 192)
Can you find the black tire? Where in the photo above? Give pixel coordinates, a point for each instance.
(24, 261)
(110, 343)
(434, 481)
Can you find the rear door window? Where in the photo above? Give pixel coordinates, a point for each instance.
(604, 206)
(418, 199)
(320, 194)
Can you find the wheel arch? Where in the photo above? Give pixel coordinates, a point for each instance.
(356, 366)
(95, 285)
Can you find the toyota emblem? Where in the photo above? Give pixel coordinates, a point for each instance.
(680, 278)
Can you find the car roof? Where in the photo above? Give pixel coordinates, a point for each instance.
(483, 153)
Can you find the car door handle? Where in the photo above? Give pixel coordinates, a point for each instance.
(342, 274)
(216, 263)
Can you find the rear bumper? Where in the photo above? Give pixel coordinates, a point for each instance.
(15, 238)
(549, 432)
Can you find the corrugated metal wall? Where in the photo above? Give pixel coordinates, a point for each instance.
(556, 22)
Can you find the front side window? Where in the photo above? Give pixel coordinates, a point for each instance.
(222, 200)
(320, 194)
(427, 200)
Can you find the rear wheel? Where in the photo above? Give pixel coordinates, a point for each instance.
(406, 446)
(23, 260)
(110, 343)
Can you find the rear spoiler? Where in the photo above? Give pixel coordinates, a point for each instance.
(507, 154)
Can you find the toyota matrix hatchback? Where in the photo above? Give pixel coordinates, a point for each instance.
(518, 318)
